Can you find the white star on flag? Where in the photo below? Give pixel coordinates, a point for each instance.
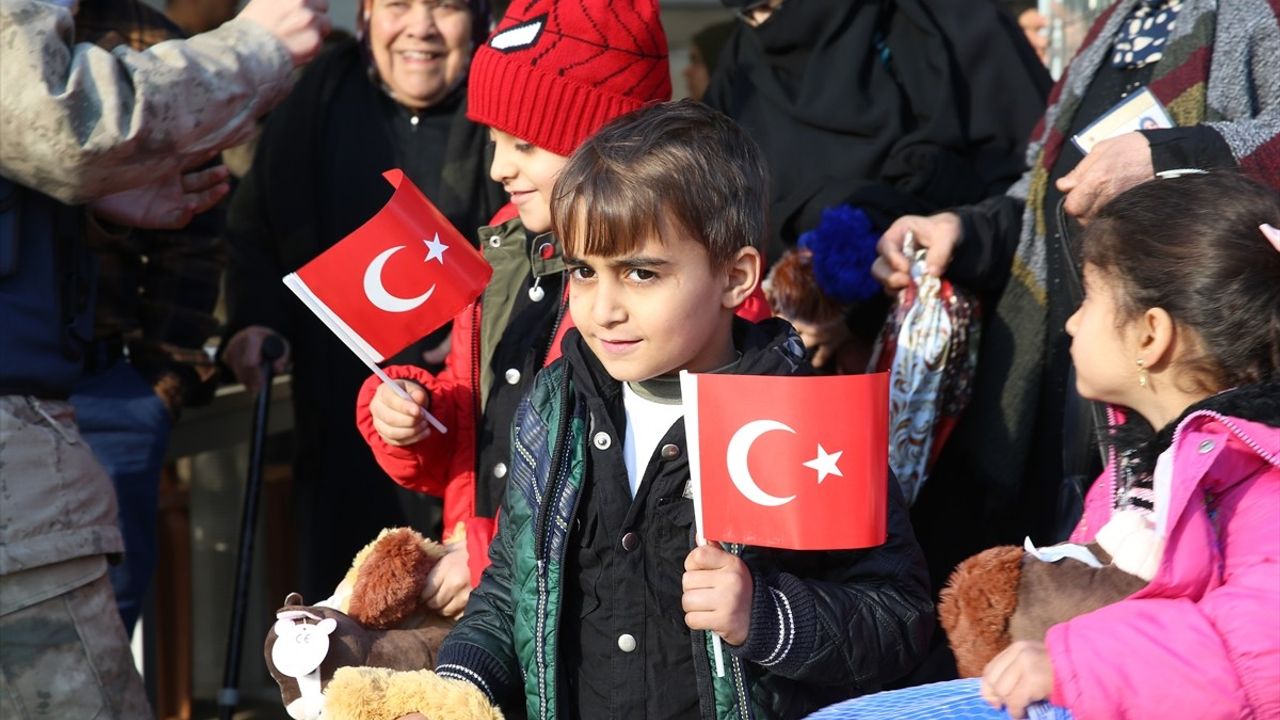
(435, 249)
(825, 463)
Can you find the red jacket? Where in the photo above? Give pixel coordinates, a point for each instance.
(445, 465)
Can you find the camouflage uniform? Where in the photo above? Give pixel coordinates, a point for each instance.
(63, 651)
(78, 122)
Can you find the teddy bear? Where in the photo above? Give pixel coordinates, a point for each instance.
(1007, 594)
(377, 619)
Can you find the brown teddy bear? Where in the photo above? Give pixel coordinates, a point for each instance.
(376, 619)
(1007, 593)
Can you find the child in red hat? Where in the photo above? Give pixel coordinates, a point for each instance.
(551, 74)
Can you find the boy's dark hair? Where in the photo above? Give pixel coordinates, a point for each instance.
(678, 160)
(1191, 245)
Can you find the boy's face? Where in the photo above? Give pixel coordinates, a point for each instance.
(660, 309)
(527, 173)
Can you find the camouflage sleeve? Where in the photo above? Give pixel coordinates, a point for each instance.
(78, 122)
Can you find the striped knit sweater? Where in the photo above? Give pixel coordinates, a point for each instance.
(1220, 69)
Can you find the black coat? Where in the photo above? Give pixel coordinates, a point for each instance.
(895, 106)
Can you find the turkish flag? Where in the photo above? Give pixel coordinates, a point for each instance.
(402, 274)
(790, 462)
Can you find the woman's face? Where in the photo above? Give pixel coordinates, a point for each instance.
(696, 75)
(421, 48)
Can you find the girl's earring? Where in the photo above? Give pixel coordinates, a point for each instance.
(1142, 374)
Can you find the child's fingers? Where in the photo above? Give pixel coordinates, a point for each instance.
(457, 603)
(701, 600)
(1001, 676)
(989, 695)
(400, 437)
(708, 557)
(388, 397)
(389, 422)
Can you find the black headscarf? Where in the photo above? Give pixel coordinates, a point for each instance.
(895, 106)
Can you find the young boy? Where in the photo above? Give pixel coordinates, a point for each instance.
(597, 604)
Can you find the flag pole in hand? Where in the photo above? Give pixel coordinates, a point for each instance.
(689, 399)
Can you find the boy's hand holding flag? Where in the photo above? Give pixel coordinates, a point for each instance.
(396, 278)
(787, 462)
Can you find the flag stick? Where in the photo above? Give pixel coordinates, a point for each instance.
(689, 398)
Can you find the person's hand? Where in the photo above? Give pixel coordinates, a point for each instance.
(1110, 168)
(299, 25)
(449, 582)
(938, 234)
(1018, 677)
(717, 593)
(243, 355)
(1035, 26)
(825, 341)
(397, 420)
(169, 203)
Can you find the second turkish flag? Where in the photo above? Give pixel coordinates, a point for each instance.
(790, 462)
(404, 273)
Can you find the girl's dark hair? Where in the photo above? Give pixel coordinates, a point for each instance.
(1191, 245)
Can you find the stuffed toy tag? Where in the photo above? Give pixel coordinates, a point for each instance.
(1054, 553)
(300, 647)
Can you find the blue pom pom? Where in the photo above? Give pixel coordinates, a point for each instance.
(843, 247)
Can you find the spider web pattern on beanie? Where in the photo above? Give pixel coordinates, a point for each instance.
(553, 73)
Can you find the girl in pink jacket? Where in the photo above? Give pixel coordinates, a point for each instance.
(1180, 329)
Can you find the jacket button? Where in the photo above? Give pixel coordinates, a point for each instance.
(1206, 446)
(602, 440)
(513, 376)
(670, 451)
(630, 541)
(500, 470)
(626, 642)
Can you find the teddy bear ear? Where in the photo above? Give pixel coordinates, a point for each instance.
(283, 627)
(292, 598)
(327, 626)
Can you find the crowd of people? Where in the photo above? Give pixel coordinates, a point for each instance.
(1126, 375)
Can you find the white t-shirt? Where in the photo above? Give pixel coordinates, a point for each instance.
(648, 420)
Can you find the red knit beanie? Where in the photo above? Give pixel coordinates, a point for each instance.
(555, 71)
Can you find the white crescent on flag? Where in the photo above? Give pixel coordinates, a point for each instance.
(736, 460)
(378, 294)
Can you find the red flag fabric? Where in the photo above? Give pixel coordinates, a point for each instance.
(790, 462)
(404, 273)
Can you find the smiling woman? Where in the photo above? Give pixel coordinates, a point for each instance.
(421, 48)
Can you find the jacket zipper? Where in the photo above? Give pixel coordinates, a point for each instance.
(475, 379)
(1177, 436)
(739, 677)
(1235, 430)
(543, 538)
